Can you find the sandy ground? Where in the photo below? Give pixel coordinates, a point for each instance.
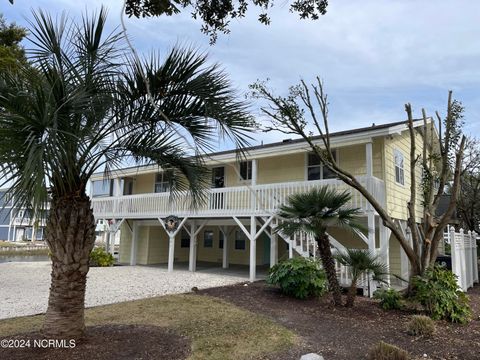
(24, 286)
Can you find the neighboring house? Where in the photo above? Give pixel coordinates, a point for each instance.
(17, 224)
(235, 225)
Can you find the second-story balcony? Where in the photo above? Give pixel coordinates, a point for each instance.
(244, 200)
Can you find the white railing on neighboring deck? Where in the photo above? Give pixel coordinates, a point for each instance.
(240, 200)
(19, 221)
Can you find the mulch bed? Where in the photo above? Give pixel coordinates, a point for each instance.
(342, 333)
(109, 342)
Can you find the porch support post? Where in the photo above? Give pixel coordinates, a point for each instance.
(107, 241)
(224, 231)
(371, 246)
(369, 158)
(253, 249)
(371, 231)
(171, 241)
(192, 256)
(133, 249)
(404, 262)
(273, 249)
(171, 251)
(193, 232)
(254, 183)
(385, 246)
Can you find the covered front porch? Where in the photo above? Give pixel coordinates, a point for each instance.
(240, 244)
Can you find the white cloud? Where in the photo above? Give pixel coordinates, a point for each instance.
(374, 55)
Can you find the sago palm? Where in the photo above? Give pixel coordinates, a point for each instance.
(84, 105)
(361, 262)
(315, 212)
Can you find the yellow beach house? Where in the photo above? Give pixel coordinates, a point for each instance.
(235, 225)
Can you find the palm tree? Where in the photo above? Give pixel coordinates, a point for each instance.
(316, 212)
(361, 261)
(84, 105)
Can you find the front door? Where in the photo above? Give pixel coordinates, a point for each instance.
(218, 181)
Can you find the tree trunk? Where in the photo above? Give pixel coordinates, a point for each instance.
(70, 235)
(352, 293)
(329, 266)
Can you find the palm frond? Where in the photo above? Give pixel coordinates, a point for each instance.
(362, 261)
(317, 210)
(77, 108)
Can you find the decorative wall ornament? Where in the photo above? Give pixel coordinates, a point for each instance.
(171, 223)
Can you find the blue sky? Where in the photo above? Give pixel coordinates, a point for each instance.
(373, 57)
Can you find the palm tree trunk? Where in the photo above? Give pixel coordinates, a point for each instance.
(70, 235)
(352, 293)
(329, 266)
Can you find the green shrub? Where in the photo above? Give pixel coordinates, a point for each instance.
(99, 257)
(390, 299)
(437, 291)
(384, 351)
(421, 325)
(299, 277)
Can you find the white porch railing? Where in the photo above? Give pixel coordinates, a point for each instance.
(242, 200)
(464, 257)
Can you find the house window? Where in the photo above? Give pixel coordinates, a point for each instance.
(162, 182)
(102, 188)
(316, 170)
(218, 177)
(185, 239)
(220, 240)
(240, 240)
(208, 239)
(399, 170)
(246, 170)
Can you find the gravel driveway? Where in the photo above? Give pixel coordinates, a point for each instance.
(24, 286)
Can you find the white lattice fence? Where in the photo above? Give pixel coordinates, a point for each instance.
(464, 257)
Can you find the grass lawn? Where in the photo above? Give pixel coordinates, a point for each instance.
(215, 329)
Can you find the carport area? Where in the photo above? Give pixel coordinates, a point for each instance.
(24, 286)
(241, 271)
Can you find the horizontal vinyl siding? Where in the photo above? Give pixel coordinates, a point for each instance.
(394, 256)
(398, 195)
(3, 232)
(353, 159)
(4, 216)
(125, 244)
(287, 168)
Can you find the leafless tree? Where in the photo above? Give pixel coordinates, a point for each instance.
(437, 151)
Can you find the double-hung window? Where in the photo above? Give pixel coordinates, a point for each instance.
(316, 170)
(102, 188)
(240, 240)
(208, 239)
(246, 170)
(399, 167)
(220, 240)
(162, 181)
(184, 239)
